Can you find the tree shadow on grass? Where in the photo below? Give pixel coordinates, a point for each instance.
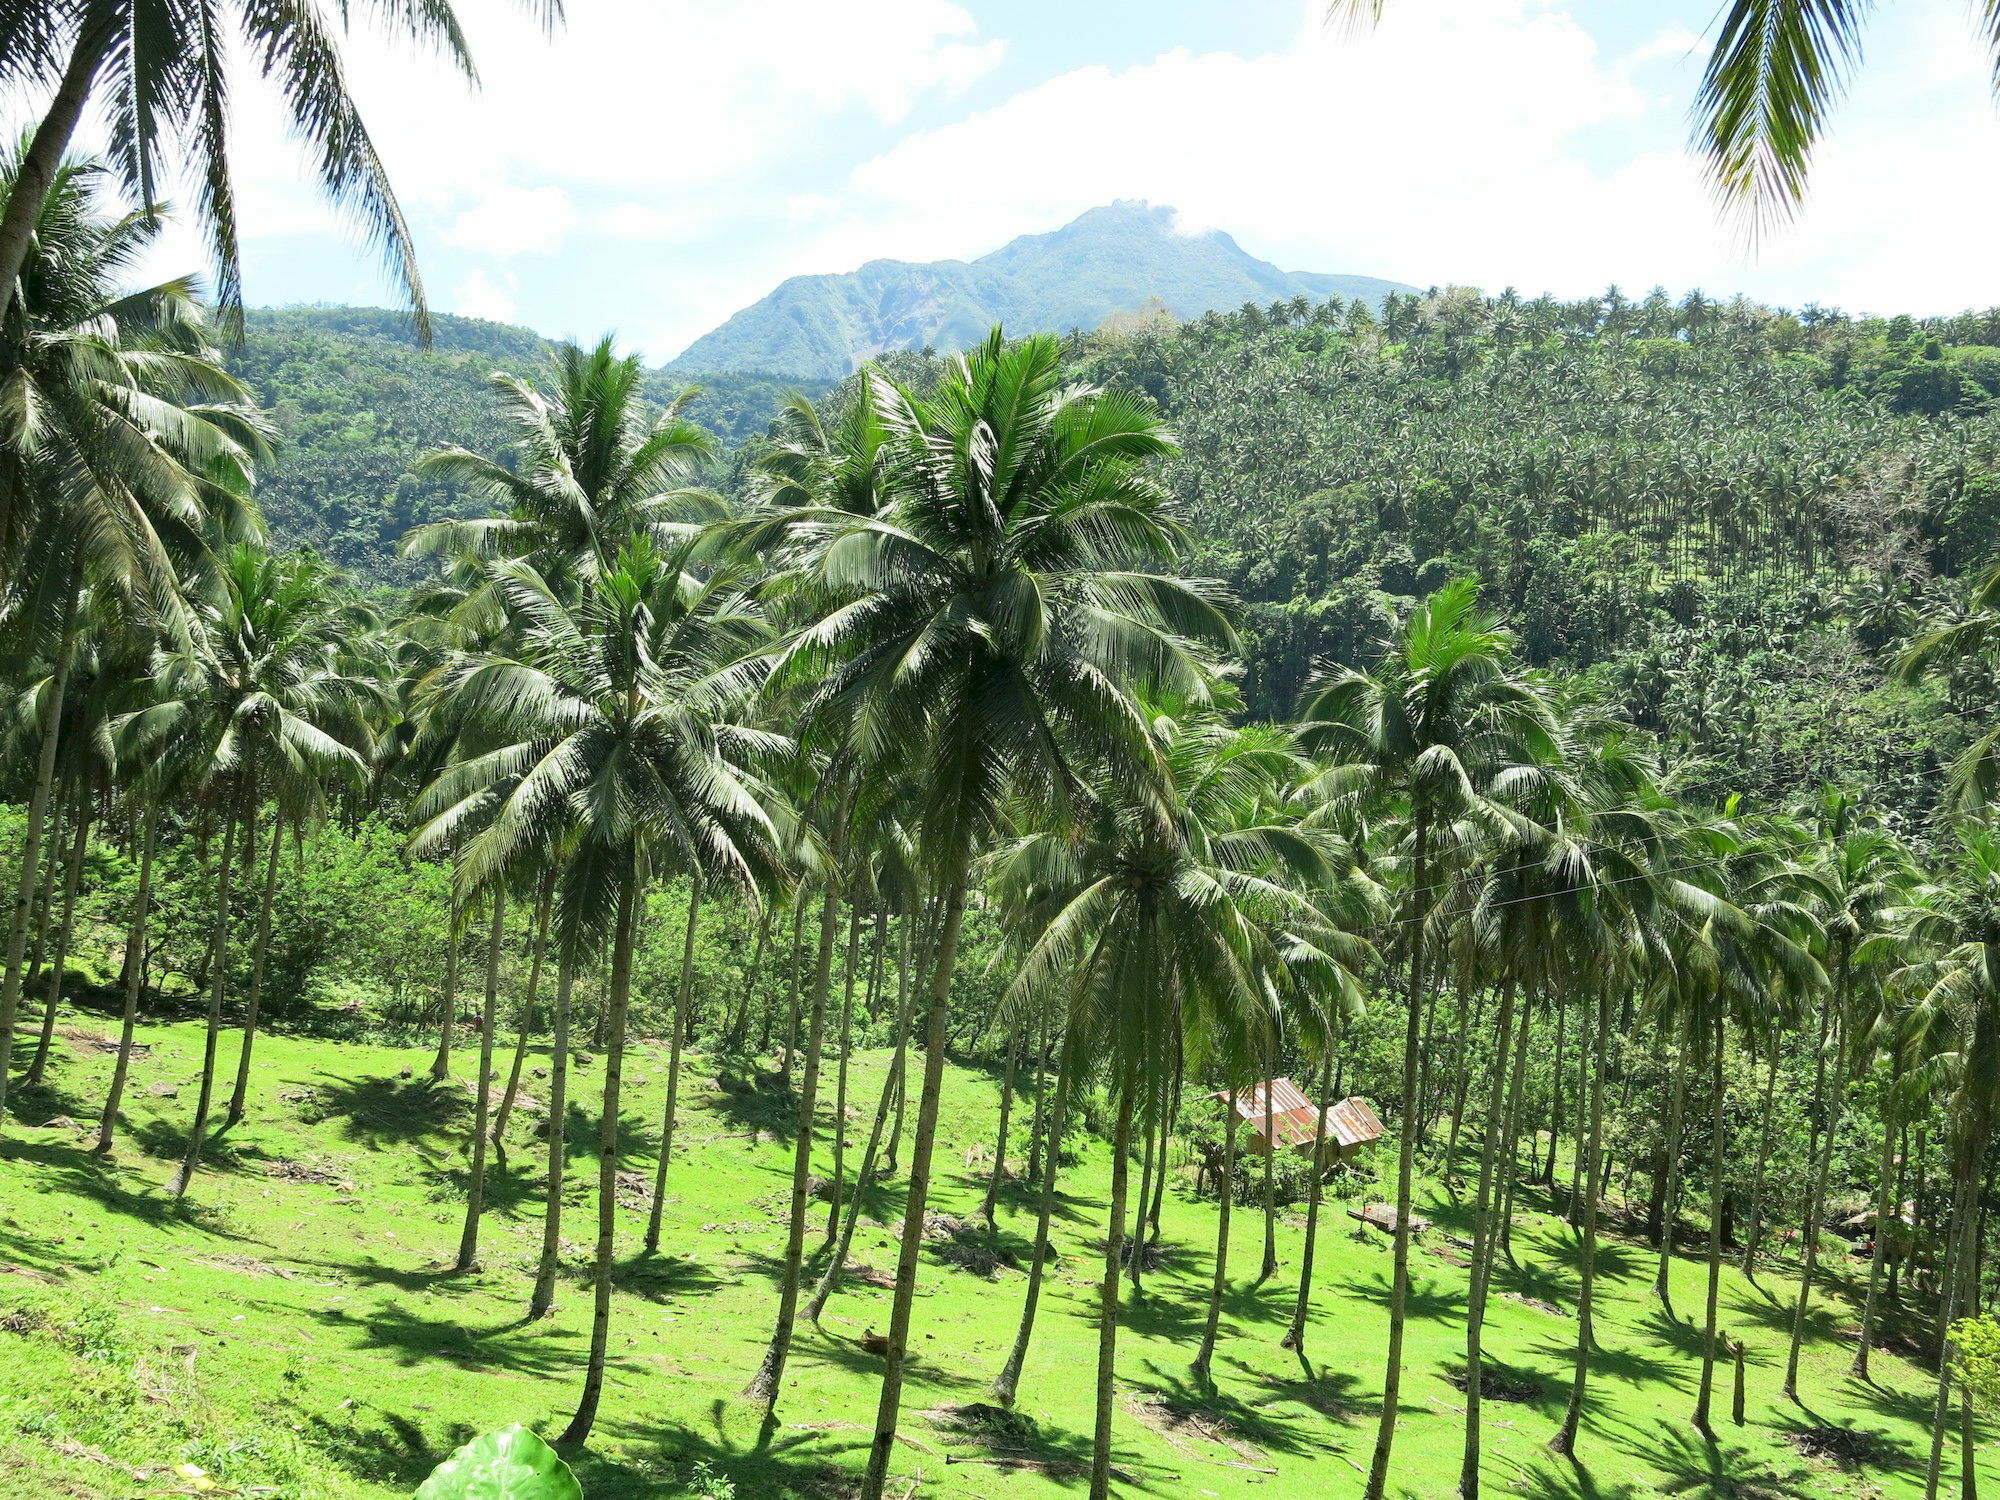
(1685, 1338)
(1914, 1407)
(1868, 1448)
(1022, 1444)
(1332, 1393)
(1614, 1261)
(1162, 1395)
(662, 1278)
(398, 1454)
(1618, 1362)
(758, 1461)
(1544, 1283)
(833, 1351)
(1153, 1316)
(371, 1272)
(412, 1340)
(83, 1174)
(380, 1113)
(1427, 1298)
(1822, 1322)
(749, 1110)
(1564, 1479)
(1701, 1470)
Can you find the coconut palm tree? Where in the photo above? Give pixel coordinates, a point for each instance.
(256, 709)
(123, 450)
(590, 471)
(1444, 717)
(613, 759)
(1201, 930)
(164, 74)
(979, 632)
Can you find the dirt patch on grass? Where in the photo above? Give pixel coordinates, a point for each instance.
(1847, 1447)
(249, 1265)
(1178, 1423)
(1496, 1386)
(90, 1043)
(323, 1173)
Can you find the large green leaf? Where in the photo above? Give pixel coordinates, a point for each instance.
(511, 1464)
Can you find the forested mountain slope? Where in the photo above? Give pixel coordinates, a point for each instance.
(356, 402)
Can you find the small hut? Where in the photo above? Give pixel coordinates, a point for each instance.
(1281, 1117)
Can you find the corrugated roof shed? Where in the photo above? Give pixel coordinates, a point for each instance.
(1293, 1119)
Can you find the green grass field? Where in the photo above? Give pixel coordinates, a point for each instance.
(288, 1330)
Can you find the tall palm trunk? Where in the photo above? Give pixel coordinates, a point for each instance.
(441, 1064)
(1586, 1294)
(1958, 1293)
(43, 158)
(525, 1029)
(260, 949)
(1670, 1189)
(1483, 1237)
(1511, 1128)
(923, 1143)
(218, 981)
(766, 1383)
(1000, 1139)
(792, 986)
(1887, 1211)
(489, 1019)
(738, 1029)
(1268, 1267)
(839, 1193)
(607, 1166)
(38, 811)
(1295, 1336)
(72, 877)
(1719, 1085)
(683, 1003)
(1107, 1311)
(1834, 1097)
(1399, 1286)
(135, 974)
(1765, 1113)
(544, 1296)
(1008, 1383)
(1219, 1281)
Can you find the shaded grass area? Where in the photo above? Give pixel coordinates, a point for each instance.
(292, 1325)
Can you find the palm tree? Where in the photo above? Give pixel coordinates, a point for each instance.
(123, 450)
(613, 759)
(164, 76)
(257, 708)
(590, 471)
(980, 631)
(1441, 720)
(1200, 929)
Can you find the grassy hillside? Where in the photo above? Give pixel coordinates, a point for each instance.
(288, 1330)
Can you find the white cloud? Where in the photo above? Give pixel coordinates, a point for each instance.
(478, 297)
(516, 221)
(641, 222)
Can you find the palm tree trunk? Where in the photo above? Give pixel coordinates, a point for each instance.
(1295, 1336)
(739, 1025)
(1039, 1119)
(1715, 1158)
(769, 1379)
(1269, 1266)
(1510, 1138)
(525, 1029)
(1399, 1286)
(135, 975)
(1835, 1097)
(1961, 1257)
(43, 158)
(1219, 1282)
(218, 980)
(1755, 1231)
(259, 950)
(441, 1064)
(792, 986)
(72, 876)
(607, 1166)
(1008, 1383)
(31, 841)
(922, 1148)
(1107, 1312)
(1887, 1212)
(1670, 1195)
(838, 1195)
(1134, 1257)
(683, 1005)
(489, 1018)
(1564, 1441)
(544, 1297)
(1000, 1141)
(1493, 1132)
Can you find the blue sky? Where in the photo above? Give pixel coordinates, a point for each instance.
(659, 163)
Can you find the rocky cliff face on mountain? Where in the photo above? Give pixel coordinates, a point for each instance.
(1111, 259)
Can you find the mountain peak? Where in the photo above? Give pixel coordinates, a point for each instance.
(1108, 259)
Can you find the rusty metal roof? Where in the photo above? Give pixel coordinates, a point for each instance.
(1284, 1114)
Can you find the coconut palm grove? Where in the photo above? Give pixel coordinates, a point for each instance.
(1391, 895)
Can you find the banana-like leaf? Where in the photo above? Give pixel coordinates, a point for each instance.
(511, 1464)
